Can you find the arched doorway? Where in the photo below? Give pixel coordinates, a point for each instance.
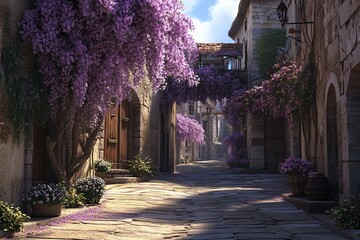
(353, 120)
(332, 143)
(121, 127)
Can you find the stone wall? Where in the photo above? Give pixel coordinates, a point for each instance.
(15, 169)
(334, 39)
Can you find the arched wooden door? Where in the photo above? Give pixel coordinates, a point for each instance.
(118, 134)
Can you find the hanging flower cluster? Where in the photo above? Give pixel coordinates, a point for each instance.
(189, 129)
(214, 84)
(278, 97)
(92, 51)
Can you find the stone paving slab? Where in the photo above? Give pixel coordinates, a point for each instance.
(203, 201)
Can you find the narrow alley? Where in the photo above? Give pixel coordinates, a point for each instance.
(203, 200)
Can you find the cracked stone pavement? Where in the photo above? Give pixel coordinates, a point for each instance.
(204, 200)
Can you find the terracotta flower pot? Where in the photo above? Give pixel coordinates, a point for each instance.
(46, 210)
(297, 185)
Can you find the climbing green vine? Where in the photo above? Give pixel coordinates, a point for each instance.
(267, 48)
(26, 95)
(16, 110)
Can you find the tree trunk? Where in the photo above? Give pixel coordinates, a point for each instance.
(66, 153)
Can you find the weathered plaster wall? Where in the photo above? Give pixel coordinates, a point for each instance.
(12, 163)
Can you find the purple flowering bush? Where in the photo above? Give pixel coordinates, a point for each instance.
(283, 95)
(46, 194)
(213, 83)
(235, 156)
(296, 166)
(189, 129)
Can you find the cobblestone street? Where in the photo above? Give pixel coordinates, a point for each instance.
(205, 200)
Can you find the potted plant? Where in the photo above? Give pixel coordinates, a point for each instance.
(92, 189)
(102, 166)
(141, 166)
(297, 169)
(11, 220)
(46, 199)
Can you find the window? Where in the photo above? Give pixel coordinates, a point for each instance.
(191, 108)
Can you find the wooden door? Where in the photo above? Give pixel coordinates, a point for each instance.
(118, 135)
(39, 156)
(125, 131)
(111, 136)
(275, 153)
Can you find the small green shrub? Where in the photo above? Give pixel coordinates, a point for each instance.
(102, 165)
(141, 166)
(11, 218)
(347, 213)
(73, 200)
(92, 189)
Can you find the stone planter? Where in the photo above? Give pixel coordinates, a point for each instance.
(297, 185)
(5, 235)
(46, 210)
(317, 188)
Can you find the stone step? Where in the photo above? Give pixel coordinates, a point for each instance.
(310, 206)
(119, 173)
(119, 180)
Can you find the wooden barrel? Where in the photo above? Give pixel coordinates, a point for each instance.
(297, 185)
(317, 188)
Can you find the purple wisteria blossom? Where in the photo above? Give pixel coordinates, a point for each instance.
(213, 83)
(235, 157)
(92, 53)
(277, 97)
(189, 129)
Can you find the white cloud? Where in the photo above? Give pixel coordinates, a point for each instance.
(216, 28)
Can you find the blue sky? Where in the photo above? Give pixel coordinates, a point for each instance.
(212, 19)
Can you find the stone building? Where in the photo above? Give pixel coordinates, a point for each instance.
(266, 139)
(330, 31)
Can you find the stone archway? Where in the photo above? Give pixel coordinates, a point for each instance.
(332, 143)
(353, 120)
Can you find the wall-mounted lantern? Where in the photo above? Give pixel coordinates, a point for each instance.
(282, 13)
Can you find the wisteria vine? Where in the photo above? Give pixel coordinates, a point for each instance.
(189, 129)
(213, 83)
(283, 95)
(92, 51)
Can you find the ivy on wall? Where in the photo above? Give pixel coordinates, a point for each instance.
(26, 98)
(16, 110)
(267, 46)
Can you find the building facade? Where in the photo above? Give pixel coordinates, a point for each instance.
(266, 140)
(329, 31)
